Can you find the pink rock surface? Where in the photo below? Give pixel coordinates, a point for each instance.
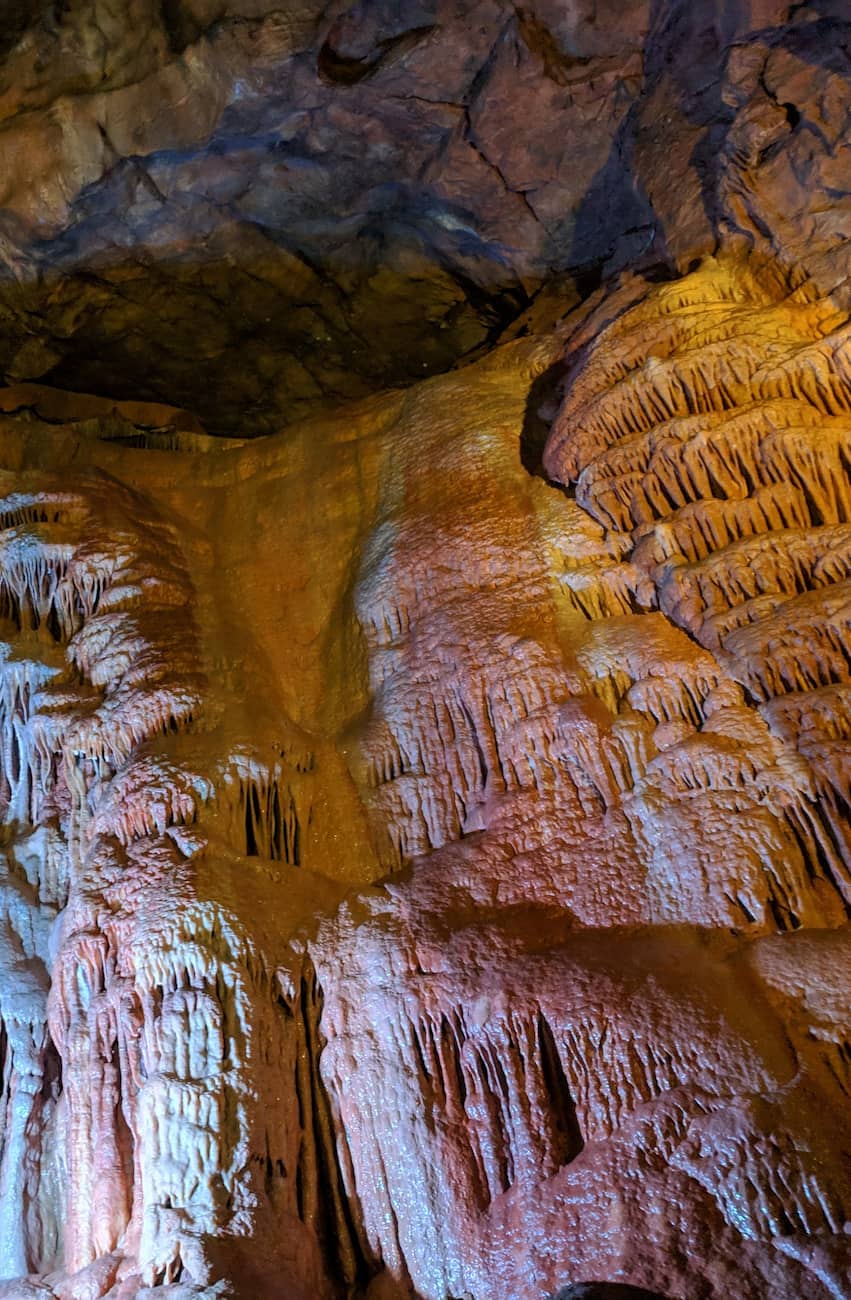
(422, 880)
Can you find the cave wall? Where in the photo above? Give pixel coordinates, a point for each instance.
(587, 735)
(425, 856)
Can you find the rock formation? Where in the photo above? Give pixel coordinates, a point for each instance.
(425, 859)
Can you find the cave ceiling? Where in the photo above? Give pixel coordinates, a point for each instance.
(259, 211)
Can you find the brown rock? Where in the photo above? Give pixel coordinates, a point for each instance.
(254, 213)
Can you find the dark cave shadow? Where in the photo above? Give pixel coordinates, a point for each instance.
(604, 1291)
(541, 407)
(318, 311)
(271, 355)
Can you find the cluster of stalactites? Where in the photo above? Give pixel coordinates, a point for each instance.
(95, 665)
(710, 428)
(131, 1039)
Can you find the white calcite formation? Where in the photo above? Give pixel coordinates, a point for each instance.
(419, 878)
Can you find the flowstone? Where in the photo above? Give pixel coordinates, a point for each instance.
(420, 878)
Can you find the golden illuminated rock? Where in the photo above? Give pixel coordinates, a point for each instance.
(417, 871)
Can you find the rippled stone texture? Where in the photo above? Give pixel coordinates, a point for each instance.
(422, 877)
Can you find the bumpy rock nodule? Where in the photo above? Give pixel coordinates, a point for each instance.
(412, 871)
